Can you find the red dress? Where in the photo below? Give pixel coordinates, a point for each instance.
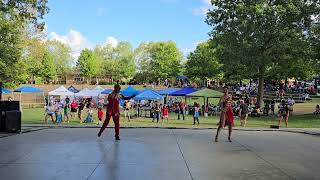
(229, 114)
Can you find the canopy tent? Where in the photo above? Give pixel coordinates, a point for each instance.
(130, 91)
(206, 93)
(6, 91)
(182, 77)
(86, 93)
(148, 95)
(97, 90)
(168, 91)
(183, 92)
(28, 89)
(73, 89)
(61, 91)
(107, 91)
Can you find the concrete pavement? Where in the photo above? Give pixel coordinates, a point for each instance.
(76, 153)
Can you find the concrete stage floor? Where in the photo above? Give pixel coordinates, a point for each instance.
(158, 154)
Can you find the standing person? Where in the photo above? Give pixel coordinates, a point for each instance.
(243, 113)
(196, 113)
(80, 109)
(283, 112)
(226, 116)
(113, 111)
(100, 115)
(182, 109)
(157, 112)
(127, 109)
(74, 106)
(165, 113)
(66, 112)
(49, 113)
(67, 100)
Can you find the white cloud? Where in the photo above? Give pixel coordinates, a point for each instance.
(75, 40)
(112, 41)
(203, 10)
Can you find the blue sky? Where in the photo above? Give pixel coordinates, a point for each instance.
(84, 24)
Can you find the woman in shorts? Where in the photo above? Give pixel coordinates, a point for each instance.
(283, 112)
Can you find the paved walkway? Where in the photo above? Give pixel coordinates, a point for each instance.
(76, 153)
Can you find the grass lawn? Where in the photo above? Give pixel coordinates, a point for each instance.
(36, 116)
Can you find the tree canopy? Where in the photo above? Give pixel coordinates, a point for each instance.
(256, 37)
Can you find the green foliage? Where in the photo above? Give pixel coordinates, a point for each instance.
(159, 60)
(48, 70)
(88, 63)
(260, 37)
(203, 62)
(117, 62)
(61, 55)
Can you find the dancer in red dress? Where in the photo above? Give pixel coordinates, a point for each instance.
(226, 117)
(113, 111)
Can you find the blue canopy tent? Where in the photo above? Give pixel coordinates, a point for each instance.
(107, 91)
(6, 91)
(183, 92)
(29, 90)
(130, 91)
(148, 95)
(168, 91)
(73, 89)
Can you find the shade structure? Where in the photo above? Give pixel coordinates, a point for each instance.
(73, 89)
(28, 89)
(167, 91)
(182, 77)
(183, 92)
(86, 93)
(6, 91)
(61, 91)
(130, 91)
(107, 91)
(206, 93)
(148, 95)
(97, 90)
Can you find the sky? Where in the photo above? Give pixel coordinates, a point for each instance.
(87, 23)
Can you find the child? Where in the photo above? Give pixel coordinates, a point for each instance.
(58, 112)
(100, 115)
(89, 118)
(196, 113)
(317, 110)
(165, 113)
(66, 110)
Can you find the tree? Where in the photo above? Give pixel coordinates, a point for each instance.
(48, 71)
(259, 35)
(61, 55)
(15, 15)
(88, 64)
(118, 62)
(203, 63)
(159, 60)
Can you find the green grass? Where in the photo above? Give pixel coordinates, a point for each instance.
(36, 116)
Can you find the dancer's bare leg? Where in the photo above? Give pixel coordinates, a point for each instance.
(221, 125)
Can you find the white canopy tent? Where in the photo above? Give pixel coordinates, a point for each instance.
(97, 90)
(87, 93)
(61, 91)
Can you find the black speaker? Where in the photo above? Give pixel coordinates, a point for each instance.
(2, 121)
(9, 105)
(12, 121)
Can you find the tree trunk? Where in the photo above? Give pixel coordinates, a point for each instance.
(260, 90)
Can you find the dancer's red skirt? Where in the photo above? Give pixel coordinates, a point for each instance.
(229, 117)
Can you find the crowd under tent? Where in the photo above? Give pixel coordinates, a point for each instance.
(73, 89)
(130, 91)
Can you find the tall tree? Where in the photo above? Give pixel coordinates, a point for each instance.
(203, 63)
(159, 60)
(261, 34)
(61, 55)
(15, 15)
(48, 71)
(88, 64)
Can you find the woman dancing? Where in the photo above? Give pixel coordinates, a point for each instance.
(226, 117)
(113, 111)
